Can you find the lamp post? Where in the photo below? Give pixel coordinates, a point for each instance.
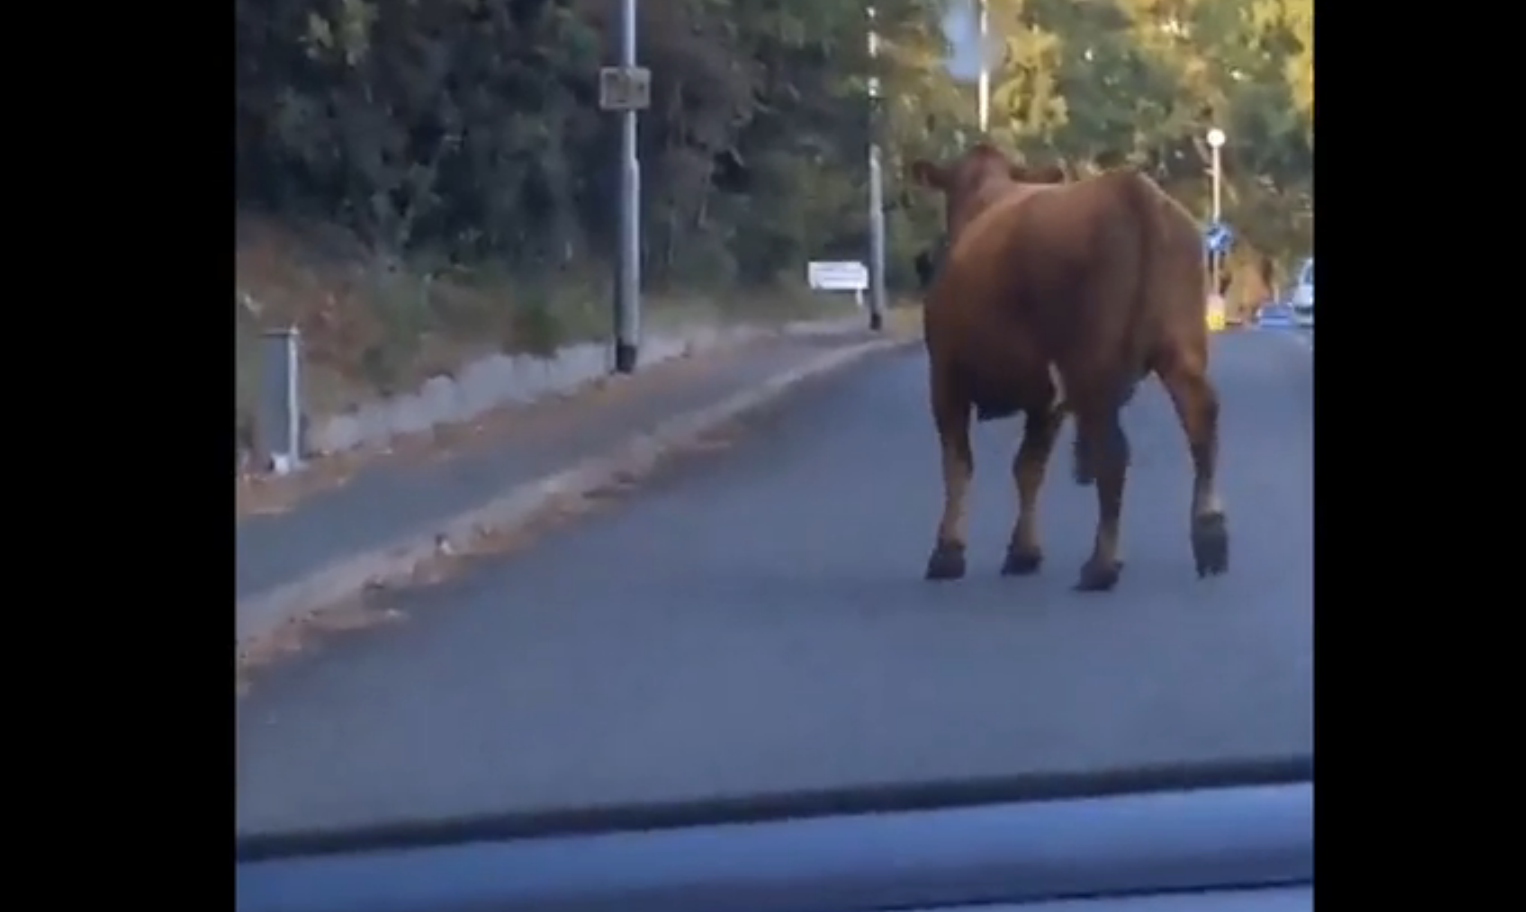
(628, 273)
(1215, 143)
(984, 98)
(876, 188)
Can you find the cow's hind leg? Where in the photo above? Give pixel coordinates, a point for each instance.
(1081, 469)
(951, 414)
(1107, 449)
(1024, 555)
(1197, 408)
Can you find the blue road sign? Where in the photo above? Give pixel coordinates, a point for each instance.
(1218, 237)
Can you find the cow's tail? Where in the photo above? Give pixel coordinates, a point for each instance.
(1137, 339)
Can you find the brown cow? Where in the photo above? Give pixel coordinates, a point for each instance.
(1057, 298)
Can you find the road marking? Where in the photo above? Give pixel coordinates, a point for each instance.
(518, 504)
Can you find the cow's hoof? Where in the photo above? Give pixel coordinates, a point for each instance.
(1022, 561)
(1099, 576)
(1210, 544)
(946, 562)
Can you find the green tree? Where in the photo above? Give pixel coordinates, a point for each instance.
(468, 130)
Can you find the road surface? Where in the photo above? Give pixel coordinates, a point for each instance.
(754, 619)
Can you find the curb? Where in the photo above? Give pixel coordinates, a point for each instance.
(341, 580)
(318, 434)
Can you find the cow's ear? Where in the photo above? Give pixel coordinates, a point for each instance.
(1043, 174)
(927, 173)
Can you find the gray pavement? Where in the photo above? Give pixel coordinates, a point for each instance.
(754, 619)
(390, 500)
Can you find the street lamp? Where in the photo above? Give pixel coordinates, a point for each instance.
(876, 187)
(983, 100)
(1215, 143)
(627, 89)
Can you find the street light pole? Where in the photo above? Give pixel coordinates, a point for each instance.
(628, 277)
(1218, 184)
(876, 188)
(1215, 143)
(982, 28)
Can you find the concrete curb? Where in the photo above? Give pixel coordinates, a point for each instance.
(341, 580)
(494, 381)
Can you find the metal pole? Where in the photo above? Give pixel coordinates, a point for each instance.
(628, 274)
(1217, 214)
(876, 242)
(985, 71)
(279, 419)
(876, 189)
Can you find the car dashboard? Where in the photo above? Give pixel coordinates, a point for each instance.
(1150, 842)
(1281, 899)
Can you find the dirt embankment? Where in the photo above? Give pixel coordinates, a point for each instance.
(374, 326)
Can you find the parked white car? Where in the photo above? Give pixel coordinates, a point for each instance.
(1303, 294)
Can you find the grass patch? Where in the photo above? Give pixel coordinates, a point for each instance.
(375, 326)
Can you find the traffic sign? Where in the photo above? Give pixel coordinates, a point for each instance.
(1218, 237)
(838, 276)
(625, 88)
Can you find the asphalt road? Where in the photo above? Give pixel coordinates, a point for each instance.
(368, 512)
(754, 619)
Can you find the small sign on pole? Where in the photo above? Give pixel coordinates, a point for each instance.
(625, 88)
(1218, 237)
(840, 276)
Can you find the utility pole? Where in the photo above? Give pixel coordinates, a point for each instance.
(1216, 139)
(627, 89)
(983, 29)
(876, 188)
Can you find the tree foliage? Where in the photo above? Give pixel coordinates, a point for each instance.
(470, 128)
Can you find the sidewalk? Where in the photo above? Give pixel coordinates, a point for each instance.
(395, 500)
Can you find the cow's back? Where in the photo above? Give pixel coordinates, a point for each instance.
(1027, 263)
(1171, 299)
(1142, 295)
(1096, 275)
